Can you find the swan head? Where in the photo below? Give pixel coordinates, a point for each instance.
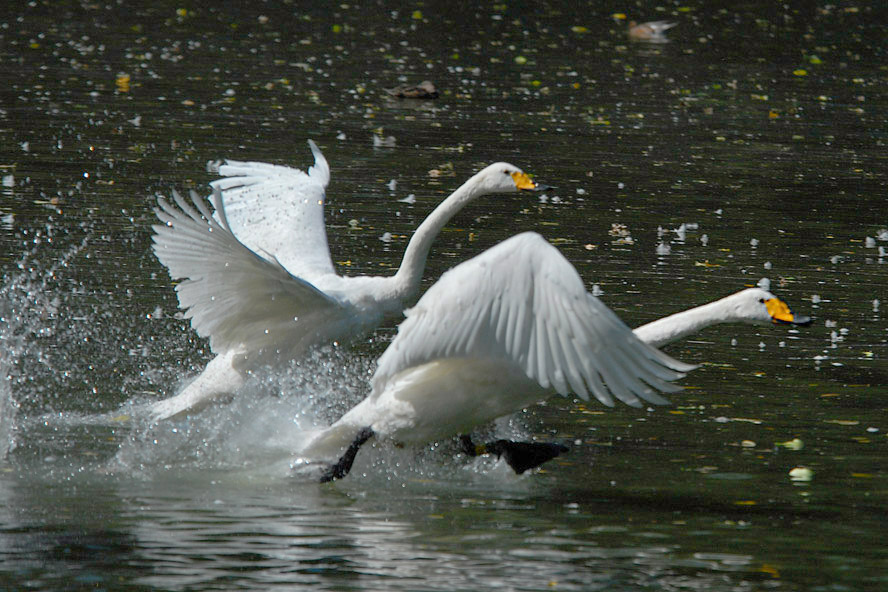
(502, 177)
(760, 306)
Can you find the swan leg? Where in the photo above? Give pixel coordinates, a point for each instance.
(521, 456)
(341, 468)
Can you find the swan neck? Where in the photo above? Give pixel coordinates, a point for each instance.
(674, 327)
(413, 264)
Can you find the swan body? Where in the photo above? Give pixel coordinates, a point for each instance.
(506, 329)
(652, 31)
(752, 305)
(257, 277)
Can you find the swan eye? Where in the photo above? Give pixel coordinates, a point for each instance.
(762, 300)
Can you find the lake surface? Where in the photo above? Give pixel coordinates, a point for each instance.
(761, 128)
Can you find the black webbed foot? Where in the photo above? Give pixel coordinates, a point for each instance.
(341, 468)
(521, 456)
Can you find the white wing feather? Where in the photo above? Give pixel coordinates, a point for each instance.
(522, 301)
(279, 210)
(231, 294)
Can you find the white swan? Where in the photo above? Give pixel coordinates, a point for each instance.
(505, 330)
(258, 280)
(495, 334)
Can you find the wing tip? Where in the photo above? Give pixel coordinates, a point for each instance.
(320, 171)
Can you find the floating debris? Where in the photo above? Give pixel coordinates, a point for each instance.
(386, 142)
(794, 444)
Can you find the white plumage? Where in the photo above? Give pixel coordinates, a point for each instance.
(495, 334)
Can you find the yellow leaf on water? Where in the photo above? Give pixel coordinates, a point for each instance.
(770, 569)
(844, 422)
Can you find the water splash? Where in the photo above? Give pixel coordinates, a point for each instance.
(266, 420)
(28, 312)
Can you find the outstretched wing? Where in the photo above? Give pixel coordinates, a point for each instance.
(279, 211)
(231, 294)
(523, 302)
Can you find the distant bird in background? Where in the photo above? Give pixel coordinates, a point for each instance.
(650, 32)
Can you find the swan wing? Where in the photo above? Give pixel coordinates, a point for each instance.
(523, 302)
(279, 210)
(232, 295)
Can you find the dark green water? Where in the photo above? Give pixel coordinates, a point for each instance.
(762, 125)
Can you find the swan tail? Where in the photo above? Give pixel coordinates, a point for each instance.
(217, 380)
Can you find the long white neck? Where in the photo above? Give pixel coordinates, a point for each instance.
(409, 274)
(672, 328)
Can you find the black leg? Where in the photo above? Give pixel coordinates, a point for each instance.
(344, 464)
(519, 455)
(525, 455)
(468, 447)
